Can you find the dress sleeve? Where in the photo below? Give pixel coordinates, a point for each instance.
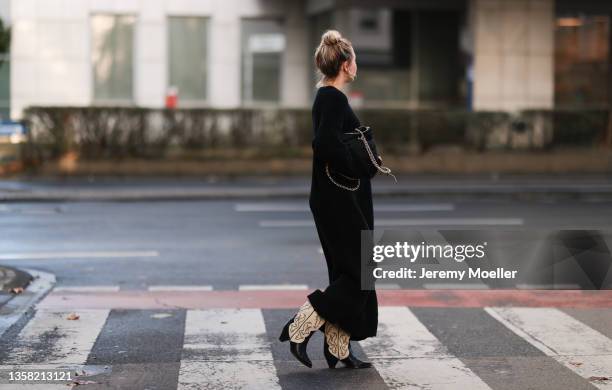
(326, 143)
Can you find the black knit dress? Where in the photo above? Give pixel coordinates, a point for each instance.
(339, 216)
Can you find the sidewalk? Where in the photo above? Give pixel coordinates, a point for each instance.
(574, 186)
(11, 278)
(36, 284)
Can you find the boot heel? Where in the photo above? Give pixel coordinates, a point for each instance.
(331, 360)
(350, 361)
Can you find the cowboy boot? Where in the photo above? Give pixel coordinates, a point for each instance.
(337, 346)
(299, 329)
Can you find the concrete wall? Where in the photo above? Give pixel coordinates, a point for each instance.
(51, 49)
(5, 7)
(514, 53)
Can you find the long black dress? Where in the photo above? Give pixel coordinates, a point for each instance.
(339, 216)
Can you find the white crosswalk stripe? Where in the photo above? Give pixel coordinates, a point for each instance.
(79, 289)
(281, 287)
(408, 356)
(225, 346)
(68, 341)
(65, 343)
(577, 346)
(229, 348)
(181, 288)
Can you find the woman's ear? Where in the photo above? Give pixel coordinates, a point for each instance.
(345, 66)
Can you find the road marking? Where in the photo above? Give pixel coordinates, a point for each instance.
(230, 346)
(39, 211)
(288, 207)
(387, 286)
(415, 207)
(407, 355)
(455, 286)
(181, 288)
(251, 207)
(226, 346)
(86, 288)
(72, 255)
(252, 287)
(577, 346)
(449, 221)
(286, 223)
(59, 340)
(550, 286)
(403, 222)
(32, 211)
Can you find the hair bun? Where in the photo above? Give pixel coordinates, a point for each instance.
(331, 37)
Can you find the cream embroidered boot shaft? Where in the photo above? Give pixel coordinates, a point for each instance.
(337, 340)
(337, 347)
(306, 321)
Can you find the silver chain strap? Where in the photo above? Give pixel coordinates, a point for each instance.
(338, 184)
(381, 168)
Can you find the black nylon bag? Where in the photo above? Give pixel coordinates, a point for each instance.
(362, 163)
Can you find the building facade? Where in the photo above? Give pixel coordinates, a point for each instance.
(475, 54)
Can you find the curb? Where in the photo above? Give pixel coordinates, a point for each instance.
(11, 277)
(20, 304)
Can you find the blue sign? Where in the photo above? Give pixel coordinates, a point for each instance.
(9, 128)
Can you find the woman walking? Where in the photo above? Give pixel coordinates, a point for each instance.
(343, 312)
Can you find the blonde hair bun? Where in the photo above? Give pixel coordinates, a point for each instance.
(331, 37)
(333, 50)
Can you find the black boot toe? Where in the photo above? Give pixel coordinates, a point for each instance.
(351, 361)
(298, 350)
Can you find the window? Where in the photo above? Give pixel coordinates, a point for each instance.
(112, 57)
(369, 20)
(263, 42)
(187, 57)
(382, 39)
(406, 57)
(581, 60)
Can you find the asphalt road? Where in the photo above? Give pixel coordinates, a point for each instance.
(135, 245)
(132, 249)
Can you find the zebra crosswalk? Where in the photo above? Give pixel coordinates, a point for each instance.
(406, 353)
(415, 348)
(580, 348)
(221, 346)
